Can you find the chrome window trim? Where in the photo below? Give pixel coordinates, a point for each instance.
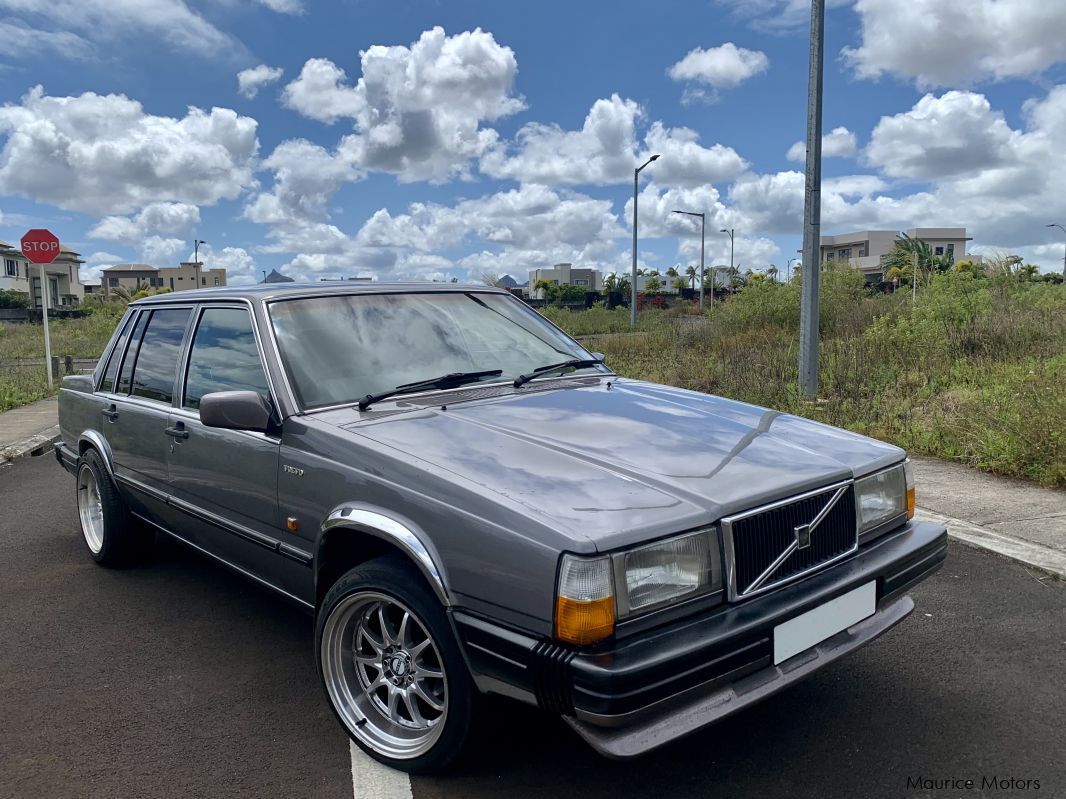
(128, 318)
(729, 550)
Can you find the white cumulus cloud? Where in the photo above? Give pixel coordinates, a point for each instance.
(418, 110)
(250, 81)
(953, 42)
(838, 143)
(723, 67)
(102, 154)
(153, 218)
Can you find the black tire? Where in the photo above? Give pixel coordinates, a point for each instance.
(397, 579)
(123, 541)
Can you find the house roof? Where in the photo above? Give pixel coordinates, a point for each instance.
(131, 268)
(276, 277)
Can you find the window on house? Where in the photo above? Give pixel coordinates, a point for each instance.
(829, 256)
(951, 252)
(581, 281)
(217, 282)
(939, 250)
(112, 281)
(203, 281)
(845, 254)
(862, 252)
(12, 267)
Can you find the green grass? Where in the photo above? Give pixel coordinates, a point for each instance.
(975, 372)
(78, 338)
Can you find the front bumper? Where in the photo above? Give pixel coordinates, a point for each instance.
(642, 692)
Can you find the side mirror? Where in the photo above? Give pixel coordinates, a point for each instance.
(235, 410)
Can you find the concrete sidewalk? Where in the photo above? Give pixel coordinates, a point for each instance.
(1010, 517)
(26, 429)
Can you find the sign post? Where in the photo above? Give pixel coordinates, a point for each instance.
(41, 247)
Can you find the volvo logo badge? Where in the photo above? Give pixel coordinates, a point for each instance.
(803, 536)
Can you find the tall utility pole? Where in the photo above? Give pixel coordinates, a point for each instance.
(812, 210)
(703, 237)
(788, 269)
(1063, 229)
(633, 288)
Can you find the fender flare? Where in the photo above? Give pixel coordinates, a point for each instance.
(99, 443)
(401, 533)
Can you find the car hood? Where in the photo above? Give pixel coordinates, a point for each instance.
(618, 461)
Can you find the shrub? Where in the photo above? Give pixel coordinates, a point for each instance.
(9, 298)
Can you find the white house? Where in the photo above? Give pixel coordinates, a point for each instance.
(865, 249)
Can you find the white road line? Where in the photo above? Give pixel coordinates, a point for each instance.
(1030, 554)
(372, 780)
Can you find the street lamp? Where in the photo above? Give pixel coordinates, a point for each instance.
(1063, 229)
(633, 288)
(703, 233)
(788, 269)
(730, 232)
(196, 258)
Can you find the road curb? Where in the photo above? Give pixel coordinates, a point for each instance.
(1035, 556)
(36, 444)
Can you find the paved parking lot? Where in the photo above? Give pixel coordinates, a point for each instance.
(176, 679)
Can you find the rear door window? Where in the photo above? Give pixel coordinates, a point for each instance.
(126, 374)
(224, 357)
(156, 367)
(111, 372)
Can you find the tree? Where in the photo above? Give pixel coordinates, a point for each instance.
(692, 273)
(679, 283)
(672, 272)
(909, 253)
(772, 272)
(544, 285)
(653, 284)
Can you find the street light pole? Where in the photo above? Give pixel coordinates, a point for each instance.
(1063, 229)
(788, 269)
(703, 237)
(730, 232)
(196, 258)
(633, 287)
(812, 209)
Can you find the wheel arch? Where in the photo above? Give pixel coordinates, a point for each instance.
(353, 533)
(91, 439)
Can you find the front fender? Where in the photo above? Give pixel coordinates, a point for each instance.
(393, 528)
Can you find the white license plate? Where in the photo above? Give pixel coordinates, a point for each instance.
(814, 626)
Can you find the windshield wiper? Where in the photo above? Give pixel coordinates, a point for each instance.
(573, 363)
(452, 380)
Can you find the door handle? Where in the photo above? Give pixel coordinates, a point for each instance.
(177, 431)
(111, 414)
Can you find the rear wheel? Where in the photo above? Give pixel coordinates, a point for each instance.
(112, 535)
(391, 668)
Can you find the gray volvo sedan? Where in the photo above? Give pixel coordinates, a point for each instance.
(472, 503)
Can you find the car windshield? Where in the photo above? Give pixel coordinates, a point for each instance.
(338, 349)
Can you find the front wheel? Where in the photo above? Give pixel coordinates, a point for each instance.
(391, 668)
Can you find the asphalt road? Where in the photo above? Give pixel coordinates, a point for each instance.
(176, 679)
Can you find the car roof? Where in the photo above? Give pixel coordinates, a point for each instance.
(266, 292)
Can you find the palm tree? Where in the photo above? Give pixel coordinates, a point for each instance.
(772, 272)
(692, 272)
(679, 282)
(672, 272)
(907, 254)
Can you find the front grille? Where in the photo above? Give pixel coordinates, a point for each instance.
(759, 538)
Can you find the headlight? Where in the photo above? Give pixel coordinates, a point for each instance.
(882, 497)
(667, 572)
(592, 592)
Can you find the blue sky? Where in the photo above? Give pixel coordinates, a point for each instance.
(419, 139)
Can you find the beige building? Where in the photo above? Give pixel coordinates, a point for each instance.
(865, 249)
(188, 275)
(61, 277)
(565, 275)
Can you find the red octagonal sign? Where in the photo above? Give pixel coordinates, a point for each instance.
(40, 246)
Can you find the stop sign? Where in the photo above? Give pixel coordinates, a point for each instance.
(40, 246)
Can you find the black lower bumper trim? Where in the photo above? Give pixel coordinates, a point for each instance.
(708, 654)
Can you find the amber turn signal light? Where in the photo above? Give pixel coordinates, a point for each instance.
(584, 602)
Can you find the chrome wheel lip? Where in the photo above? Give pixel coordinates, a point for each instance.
(368, 718)
(90, 509)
